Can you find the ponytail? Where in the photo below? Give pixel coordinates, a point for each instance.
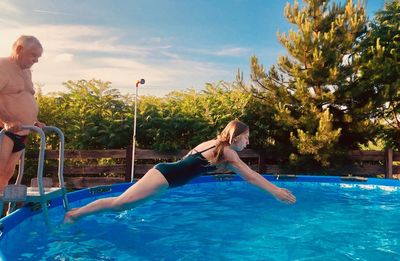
(225, 138)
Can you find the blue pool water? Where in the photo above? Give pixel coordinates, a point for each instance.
(225, 221)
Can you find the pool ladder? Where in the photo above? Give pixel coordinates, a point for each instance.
(39, 191)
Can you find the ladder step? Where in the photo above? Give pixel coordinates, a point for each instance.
(14, 193)
(34, 191)
(47, 182)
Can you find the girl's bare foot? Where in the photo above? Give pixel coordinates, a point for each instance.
(70, 216)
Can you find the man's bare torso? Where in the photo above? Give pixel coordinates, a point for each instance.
(17, 93)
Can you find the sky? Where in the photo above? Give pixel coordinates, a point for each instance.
(172, 44)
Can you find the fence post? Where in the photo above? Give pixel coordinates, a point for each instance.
(262, 166)
(128, 164)
(389, 163)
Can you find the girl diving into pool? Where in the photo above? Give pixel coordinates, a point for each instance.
(203, 158)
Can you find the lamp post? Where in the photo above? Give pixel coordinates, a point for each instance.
(141, 81)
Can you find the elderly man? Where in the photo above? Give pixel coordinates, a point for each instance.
(17, 102)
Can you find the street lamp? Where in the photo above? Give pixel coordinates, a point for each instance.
(141, 81)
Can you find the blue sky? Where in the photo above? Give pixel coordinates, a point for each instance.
(173, 44)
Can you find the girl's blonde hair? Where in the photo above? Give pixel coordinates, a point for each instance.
(225, 138)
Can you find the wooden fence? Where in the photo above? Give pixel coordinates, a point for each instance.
(366, 163)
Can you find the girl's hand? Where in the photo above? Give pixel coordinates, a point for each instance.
(284, 195)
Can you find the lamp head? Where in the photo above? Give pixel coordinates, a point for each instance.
(141, 81)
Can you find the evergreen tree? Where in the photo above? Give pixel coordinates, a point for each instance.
(308, 90)
(379, 74)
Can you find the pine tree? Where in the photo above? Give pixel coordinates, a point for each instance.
(309, 87)
(379, 73)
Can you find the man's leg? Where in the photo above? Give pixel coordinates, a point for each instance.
(8, 161)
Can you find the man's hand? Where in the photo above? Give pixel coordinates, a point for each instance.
(13, 126)
(39, 124)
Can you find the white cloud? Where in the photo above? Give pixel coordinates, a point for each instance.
(51, 12)
(74, 52)
(64, 57)
(171, 55)
(232, 52)
(8, 22)
(9, 7)
(227, 52)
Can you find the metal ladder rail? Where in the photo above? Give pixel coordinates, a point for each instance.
(43, 198)
(42, 194)
(40, 170)
(19, 177)
(21, 165)
(60, 163)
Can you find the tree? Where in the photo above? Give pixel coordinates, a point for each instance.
(308, 90)
(379, 72)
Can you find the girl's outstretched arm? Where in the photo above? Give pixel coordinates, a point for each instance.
(238, 166)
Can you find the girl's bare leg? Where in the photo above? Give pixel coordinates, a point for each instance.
(149, 186)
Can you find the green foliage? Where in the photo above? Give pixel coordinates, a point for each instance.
(91, 114)
(184, 119)
(318, 145)
(379, 70)
(309, 91)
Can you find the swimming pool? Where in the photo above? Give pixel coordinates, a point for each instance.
(223, 219)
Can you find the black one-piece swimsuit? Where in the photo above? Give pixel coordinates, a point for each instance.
(181, 172)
